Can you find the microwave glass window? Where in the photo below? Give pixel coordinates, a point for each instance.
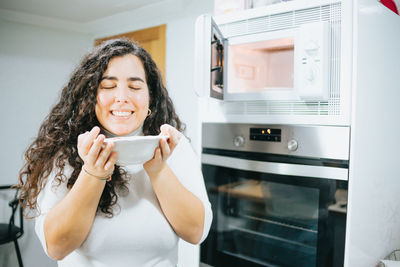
(261, 66)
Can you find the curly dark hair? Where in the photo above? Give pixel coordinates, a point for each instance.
(56, 143)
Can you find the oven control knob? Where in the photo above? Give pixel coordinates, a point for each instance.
(292, 145)
(238, 141)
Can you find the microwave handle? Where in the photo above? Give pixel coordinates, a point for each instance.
(276, 167)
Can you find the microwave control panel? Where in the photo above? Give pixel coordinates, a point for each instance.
(313, 61)
(265, 134)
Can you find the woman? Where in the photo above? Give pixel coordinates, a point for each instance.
(92, 212)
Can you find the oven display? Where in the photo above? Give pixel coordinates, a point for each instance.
(265, 134)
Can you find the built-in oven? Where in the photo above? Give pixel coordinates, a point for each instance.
(278, 194)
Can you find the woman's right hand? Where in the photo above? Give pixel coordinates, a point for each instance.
(98, 160)
(68, 223)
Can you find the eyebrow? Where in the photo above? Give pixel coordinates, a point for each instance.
(131, 79)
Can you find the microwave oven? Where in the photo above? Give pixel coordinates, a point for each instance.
(286, 64)
(289, 62)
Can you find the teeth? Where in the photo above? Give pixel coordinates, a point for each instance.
(121, 113)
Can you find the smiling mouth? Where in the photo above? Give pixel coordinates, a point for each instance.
(121, 113)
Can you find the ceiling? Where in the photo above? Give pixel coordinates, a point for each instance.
(77, 11)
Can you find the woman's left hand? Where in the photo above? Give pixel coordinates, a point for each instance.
(164, 150)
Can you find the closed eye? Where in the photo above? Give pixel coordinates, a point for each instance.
(108, 82)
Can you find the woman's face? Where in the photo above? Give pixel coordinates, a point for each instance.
(123, 95)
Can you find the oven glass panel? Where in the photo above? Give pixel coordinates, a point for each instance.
(261, 66)
(272, 220)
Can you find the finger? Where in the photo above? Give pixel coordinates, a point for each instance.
(157, 155)
(165, 129)
(95, 149)
(81, 138)
(173, 133)
(111, 161)
(104, 154)
(165, 150)
(88, 141)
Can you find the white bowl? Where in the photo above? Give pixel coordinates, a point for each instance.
(135, 149)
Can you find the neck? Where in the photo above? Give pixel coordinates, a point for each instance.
(137, 132)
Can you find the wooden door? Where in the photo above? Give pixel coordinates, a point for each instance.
(151, 39)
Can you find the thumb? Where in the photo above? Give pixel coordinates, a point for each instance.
(165, 130)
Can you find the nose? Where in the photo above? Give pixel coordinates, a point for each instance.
(121, 94)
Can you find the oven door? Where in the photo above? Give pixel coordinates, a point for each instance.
(266, 214)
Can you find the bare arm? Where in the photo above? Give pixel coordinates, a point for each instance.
(68, 223)
(183, 210)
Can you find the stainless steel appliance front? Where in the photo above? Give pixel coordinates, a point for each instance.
(278, 192)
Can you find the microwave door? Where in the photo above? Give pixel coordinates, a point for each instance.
(209, 58)
(217, 62)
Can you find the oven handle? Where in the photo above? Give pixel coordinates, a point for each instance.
(276, 167)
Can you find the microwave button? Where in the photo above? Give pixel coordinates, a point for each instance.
(312, 47)
(312, 74)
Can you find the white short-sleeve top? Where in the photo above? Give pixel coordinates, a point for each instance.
(138, 234)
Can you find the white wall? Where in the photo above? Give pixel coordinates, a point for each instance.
(35, 63)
